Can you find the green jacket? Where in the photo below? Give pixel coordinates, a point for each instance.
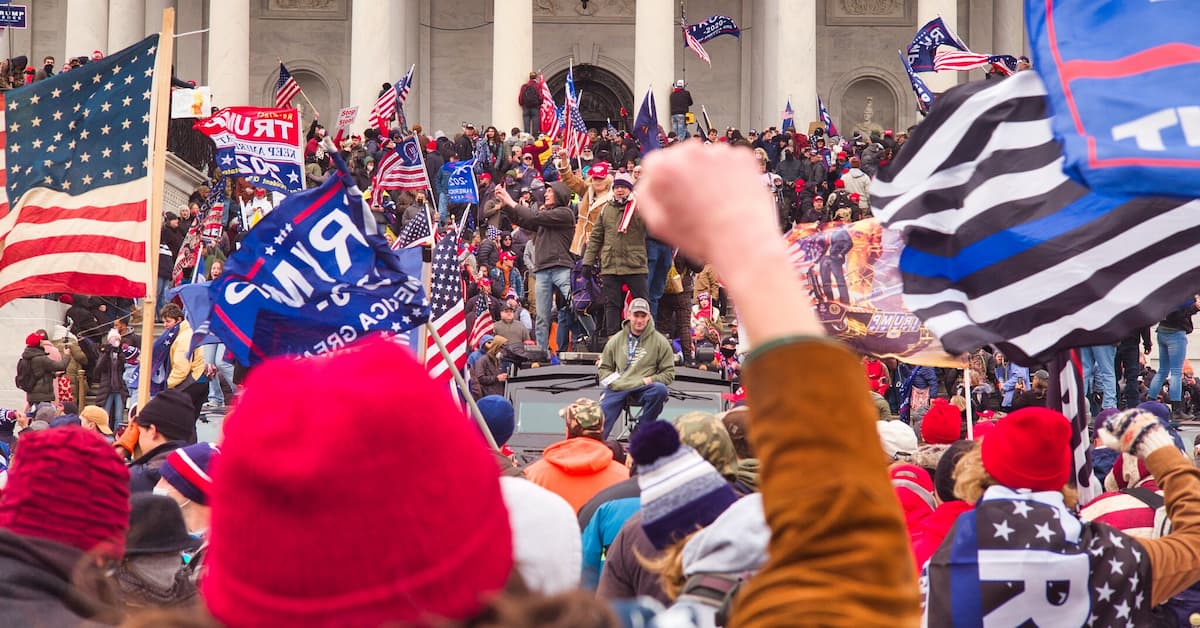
(652, 358)
(619, 253)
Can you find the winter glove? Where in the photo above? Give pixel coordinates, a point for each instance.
(1135, 432)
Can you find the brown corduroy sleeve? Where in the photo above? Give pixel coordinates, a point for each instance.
(1175, 558)
(839, 551)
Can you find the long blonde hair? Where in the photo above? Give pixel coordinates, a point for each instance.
(668, 565)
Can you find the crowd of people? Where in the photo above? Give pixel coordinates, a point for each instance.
(114, 514)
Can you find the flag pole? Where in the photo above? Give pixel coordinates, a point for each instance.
(432, 199)
(967, 387)
(462, 386)
(158, 168)
(314, 107)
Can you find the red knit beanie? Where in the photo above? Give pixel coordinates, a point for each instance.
(69, 486)
(33, 340)
(332, 507)
(942, 423)
(1030, 448)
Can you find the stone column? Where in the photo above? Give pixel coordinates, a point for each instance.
(229, 52)
(153, 14)
(655, 35)
(789, 62)
(87, 28)
(948, 10)
(1008, 28)
(410, 25)
(512, 59)
(189, 51)
(126, 19)
(371, 40)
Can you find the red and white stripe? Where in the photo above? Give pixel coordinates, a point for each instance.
(452, 327)
(393, 174)
(383, 110)
(947, 58)
(286, 92)
(483, 326)
(94, 243)
(696, 46)
(627, 215)
(548, 113)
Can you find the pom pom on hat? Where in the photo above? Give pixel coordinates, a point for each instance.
(1029, 448)
(653, 441)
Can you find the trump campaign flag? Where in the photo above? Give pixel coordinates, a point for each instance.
(261, 145)
(73, 206)
(1117, 78)
(924, 44)
(312, 277)
(713, 27)
(461, 186)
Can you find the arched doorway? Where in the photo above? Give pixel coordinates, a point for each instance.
(602, 96)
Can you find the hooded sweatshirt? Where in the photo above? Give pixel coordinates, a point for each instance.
(576, 469)
(653, 357)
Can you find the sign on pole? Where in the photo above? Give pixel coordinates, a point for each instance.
(346, 120)
(13, 16)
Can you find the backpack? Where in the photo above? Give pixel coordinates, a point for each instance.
(25, 379)
(585, 292)
(530, 96)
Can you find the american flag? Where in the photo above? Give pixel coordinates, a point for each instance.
(826, 118)
(384, 109)
(627, 214)
(550, 116)
(447, 313)
(789, 117)
(693, 43)
(416, 232)
(947, 58)
(400, 169)
(286, 88)
(74, 179)
(576, 132)
(483, 325)
(403, 87)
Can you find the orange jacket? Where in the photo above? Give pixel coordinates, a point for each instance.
(576, 469)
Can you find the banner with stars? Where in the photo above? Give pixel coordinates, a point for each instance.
(74, 179)
(261, 145)
(313, 276)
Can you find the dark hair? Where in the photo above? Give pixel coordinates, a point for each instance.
(171, 310)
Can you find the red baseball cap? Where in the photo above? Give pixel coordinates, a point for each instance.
(600, 170)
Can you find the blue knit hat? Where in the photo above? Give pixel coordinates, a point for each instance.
(681, 492)
(189, 470)
(498, 414)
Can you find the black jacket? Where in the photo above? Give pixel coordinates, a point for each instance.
(37, 589)
(1179, 319)
(144, 472)
(43, 373)
(681, 101)
(553, 228)
(168, 248)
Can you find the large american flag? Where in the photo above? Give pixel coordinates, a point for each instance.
(400, 169)
(74, 179)
(286, 88)
(483, 325)
(447, 313)
(551, 121)
(691, 42)
(947, 58)
(575, 136)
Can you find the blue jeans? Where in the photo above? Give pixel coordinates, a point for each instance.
(443, 208)
(549, 280)
(679, 126)
(1099, 366)
(531, 120)
(651, 397)
(215, 354)
(658, 264)
(115, 407)
(1172, 348)
(163, 286)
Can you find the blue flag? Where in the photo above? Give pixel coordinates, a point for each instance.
(826, 119)
(789, 116)
(312, 277)
(645, 126)
(714, 26)
(926, 41)
(1116, 78)
(924, 96)
(462, 187)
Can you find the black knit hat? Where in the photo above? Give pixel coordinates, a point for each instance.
(156, 526)
(943, 477)
(172, 412)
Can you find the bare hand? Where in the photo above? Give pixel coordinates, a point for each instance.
(647, 380)
(563, 155)
(504, 196)
(503, 377)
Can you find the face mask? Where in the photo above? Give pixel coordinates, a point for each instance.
(728, 351)
(161, 491)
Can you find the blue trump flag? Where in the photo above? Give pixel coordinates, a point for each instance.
(461, 187)
(924, 96)
(1116, 76)
(713, 27)
(312, 277)
(926, 41)
(645, 126)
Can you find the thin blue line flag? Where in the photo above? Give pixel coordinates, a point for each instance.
(313, 276)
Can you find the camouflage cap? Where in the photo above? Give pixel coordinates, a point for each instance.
(584, 413)
(707, 435)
